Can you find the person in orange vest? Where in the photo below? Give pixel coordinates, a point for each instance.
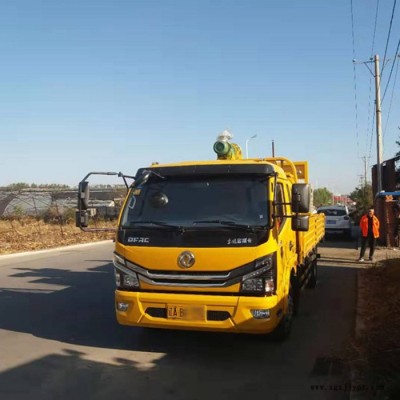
(369, 225)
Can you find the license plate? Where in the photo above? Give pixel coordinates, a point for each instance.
(187, 313)
(331, 222)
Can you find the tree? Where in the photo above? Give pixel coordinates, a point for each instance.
(364, 199)
(322, 197)
(398, 144)
(52, 186)
(18, 186)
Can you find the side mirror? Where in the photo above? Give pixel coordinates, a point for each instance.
(301, 198)
(83, 195)
(300, 223)
(84, 213)
(81, 219)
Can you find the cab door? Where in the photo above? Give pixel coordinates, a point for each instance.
(291, 250)
(286, 238)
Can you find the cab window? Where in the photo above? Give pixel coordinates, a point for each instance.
(279, 207)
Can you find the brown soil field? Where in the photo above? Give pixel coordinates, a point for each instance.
(26, 234)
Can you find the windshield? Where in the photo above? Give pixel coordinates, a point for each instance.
(203, 201)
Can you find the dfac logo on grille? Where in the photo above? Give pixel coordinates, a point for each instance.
(186, 259)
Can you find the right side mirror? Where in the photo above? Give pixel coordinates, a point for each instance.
(301, 198)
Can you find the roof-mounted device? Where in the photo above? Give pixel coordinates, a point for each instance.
(225, 149)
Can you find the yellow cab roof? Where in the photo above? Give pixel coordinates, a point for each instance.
(284, 167)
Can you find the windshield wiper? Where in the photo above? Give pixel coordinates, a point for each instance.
(229, 223)
(131, 224)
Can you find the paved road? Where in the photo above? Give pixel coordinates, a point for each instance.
(59, 340)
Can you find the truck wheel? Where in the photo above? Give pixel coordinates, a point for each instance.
(282, 331)
(295, 291)
(312, 282)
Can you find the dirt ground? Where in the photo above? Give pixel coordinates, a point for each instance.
(374, 351)
(26, 234)
(377, 340)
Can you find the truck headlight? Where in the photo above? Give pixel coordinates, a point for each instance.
(262, 279)
(253, 285)
(130, 281)
(124, 277)
(126, 280)
(269, 286)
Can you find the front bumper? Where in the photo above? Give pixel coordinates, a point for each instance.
(206, 312)
(345, 230)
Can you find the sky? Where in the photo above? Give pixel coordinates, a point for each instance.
(113, 85)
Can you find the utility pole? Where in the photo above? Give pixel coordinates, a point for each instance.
(361, 180)
(365, 170)
(378, 123)
(379, 146)
(273, 149)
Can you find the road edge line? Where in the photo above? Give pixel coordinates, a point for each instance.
(53, 250)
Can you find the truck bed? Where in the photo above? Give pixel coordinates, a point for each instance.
(310, 239)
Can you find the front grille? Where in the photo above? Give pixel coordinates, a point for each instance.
(157, 312)
(217, 315)
(191, 278)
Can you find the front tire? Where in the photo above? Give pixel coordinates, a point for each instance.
(282, 331)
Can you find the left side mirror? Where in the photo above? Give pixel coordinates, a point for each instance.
(83, 193)
(87, 209)
(81, 219)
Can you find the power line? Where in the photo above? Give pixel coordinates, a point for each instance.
(370, 105)
(388, 38)
(391, 97)
(376, 20)
(391, 70)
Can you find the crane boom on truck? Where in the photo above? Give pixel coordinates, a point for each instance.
(221, 245)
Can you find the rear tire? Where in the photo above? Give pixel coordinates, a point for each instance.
(312, 282)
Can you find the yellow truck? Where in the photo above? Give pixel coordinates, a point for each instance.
(223, 245)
